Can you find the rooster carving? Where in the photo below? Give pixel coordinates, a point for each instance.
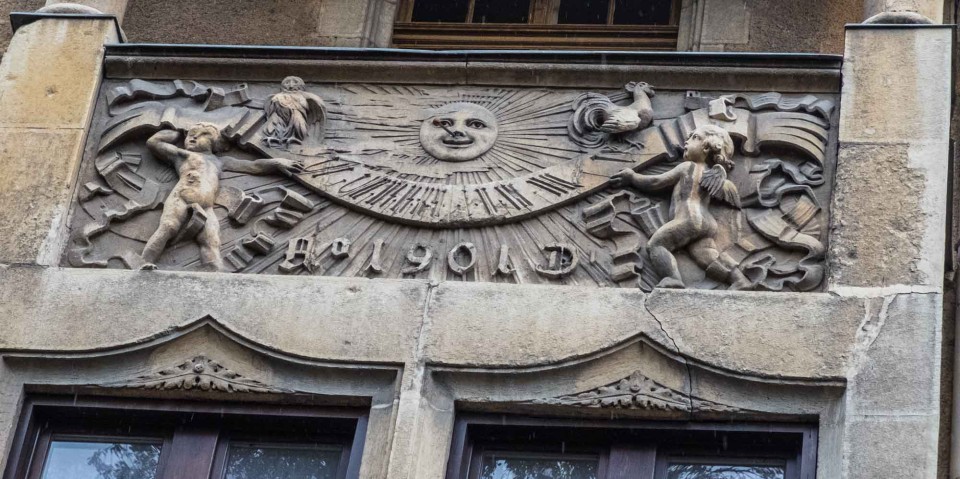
(290, 114)
(596, 116)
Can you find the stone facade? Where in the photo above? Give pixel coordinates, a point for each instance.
(419, 236)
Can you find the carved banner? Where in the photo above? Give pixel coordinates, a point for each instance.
(642, 187)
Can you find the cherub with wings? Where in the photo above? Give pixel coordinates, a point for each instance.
(200, 164)
(699, 178)
(290, 114)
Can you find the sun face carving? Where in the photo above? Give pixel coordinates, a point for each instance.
(459, 132)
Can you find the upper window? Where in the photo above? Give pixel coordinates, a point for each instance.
(515, 448)
(538, 24)
(116, 439)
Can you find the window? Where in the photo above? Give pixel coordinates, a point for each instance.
(487, 447)
(538, 24)
(120, 439)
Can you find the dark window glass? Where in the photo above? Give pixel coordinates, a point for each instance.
(642, 12)
(586, 12)
(500, 466)
(265, 461)
(724, 471)
(107, 438)
(440, 10)
(101, 460)
(501, 11)
(508, 447)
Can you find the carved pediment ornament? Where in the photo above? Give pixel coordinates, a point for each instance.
(200, 373)
(637, 392)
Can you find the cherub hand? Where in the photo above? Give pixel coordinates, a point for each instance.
(621, 179)
(287, 167)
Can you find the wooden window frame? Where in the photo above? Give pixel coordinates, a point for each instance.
(195, 436)
(631, 449)
(541, 32)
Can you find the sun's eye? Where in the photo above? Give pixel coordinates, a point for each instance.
(444, 122)
(477, 124)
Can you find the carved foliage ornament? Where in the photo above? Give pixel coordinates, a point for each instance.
(202, 374)
(459, 183)
(637, 392)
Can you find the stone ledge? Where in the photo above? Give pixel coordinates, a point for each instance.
(775, 337)
(742, 72)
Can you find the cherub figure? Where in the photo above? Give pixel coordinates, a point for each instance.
(200, 167)
(290, 113)
(699, 178)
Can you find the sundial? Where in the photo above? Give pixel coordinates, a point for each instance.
(471, 183)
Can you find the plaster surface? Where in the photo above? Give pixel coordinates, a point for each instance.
(491, 346)
(332, 23)
(814, 26)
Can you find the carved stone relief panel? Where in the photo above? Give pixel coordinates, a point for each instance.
(637, 392)
(200, 373)
(641, 187)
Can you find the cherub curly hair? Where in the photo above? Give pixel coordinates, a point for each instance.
(220, 143)
(720, 146)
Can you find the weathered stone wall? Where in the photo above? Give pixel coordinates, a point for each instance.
(7, 6)
(244, 22)
(341, 23)
(814, 26)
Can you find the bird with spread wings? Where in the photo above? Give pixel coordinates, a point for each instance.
(290, 114)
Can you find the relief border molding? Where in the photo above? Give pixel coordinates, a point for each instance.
(787, 73)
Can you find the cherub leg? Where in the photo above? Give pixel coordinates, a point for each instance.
(671, 236)
(209, 240)
(174, 214)
(718, 266)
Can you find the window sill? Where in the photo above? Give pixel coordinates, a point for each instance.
(541, 37)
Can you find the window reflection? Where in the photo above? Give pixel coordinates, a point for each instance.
(495, 467)
(724, 471)
(101, 460)
(252, 461)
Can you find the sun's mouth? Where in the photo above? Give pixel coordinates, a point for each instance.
(457, 141)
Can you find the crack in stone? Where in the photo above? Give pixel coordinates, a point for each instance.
(420, 361)
(686, 364)
(882, 291)
(869, 331)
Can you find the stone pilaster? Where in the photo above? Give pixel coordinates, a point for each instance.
(109, 7)
(889, 208)
(887, 242)
(903, 11)
(49, 78)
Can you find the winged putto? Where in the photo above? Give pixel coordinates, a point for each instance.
(290, 114)
(700, 177)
